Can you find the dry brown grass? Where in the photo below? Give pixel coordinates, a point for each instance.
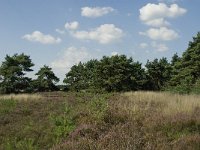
(21, 97)
(170, 104)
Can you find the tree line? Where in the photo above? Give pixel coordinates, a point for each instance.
(114, 73)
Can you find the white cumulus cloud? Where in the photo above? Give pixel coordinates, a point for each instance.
(94, 12)
(103, 34)
(70, 57)
(143, 45)
(160, 47)
(160, 22)
(38, 36)
(60, 31)
(162, 33)
(156, 14)
(72, 25)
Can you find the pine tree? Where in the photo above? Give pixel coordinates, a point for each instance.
(46, 80)
(188, 67)
(12, 74)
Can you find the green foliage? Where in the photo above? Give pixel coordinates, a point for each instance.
(116, 73)
(76, 77)
(185, 88)
(196, 87)
(46, 80)
(158, 73)
(175, 59)
(98, 107)
(119, 73)
(81, 76)
(63, 124)
(188, 67)
(12, 74)
(186, 70)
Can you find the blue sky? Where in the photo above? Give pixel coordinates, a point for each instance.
(62, 33)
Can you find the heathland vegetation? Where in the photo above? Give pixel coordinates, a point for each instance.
(89, 121)
(112, 103)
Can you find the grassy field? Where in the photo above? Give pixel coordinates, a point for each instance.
(86, 121)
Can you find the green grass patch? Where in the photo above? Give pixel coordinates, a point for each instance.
(7, 105)
(178, 129)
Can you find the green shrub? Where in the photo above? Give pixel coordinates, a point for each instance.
(63, 124)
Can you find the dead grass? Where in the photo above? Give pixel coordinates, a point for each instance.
(21, 97)
(170, 104)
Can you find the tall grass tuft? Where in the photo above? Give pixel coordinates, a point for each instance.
(21, 97)
(170, 104)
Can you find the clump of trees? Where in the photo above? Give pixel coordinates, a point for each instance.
(158, 73)
(13, 77)
(115, 73)
(186, 69)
